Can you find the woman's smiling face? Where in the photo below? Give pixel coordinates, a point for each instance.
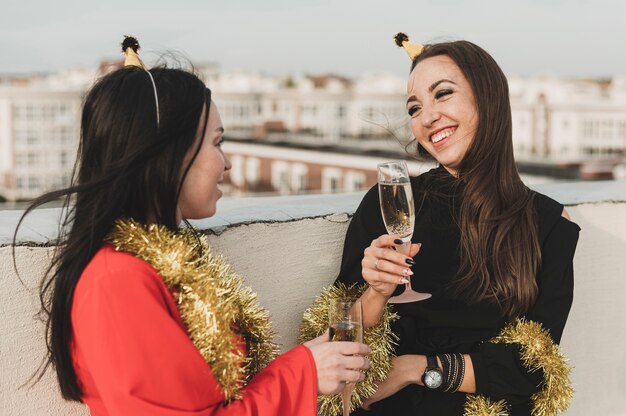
(443, 110)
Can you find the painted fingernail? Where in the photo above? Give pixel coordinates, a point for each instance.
(410, 261)
(419, 245)
(397, 241)
(403, 281)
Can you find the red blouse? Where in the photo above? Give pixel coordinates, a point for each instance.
(133, 357)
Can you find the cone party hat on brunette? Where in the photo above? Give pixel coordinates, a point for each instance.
(413, 49)
(130, 47)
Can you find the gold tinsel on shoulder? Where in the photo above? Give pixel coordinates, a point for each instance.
(211, 299)
(482, 406)
(379, 338)
(539, 351)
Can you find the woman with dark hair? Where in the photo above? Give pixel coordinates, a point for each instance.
(495, 255)
(142, 319)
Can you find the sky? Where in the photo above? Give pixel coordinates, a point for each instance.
(565, 38)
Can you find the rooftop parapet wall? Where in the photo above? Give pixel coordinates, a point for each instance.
(288, 248)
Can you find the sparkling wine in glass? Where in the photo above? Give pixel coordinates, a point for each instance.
(345, 321)
(398, 209)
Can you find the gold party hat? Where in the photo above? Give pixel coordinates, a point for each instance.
(130, 47)
(413, 49)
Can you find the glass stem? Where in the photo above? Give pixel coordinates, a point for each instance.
(346, 396)
(405, 249)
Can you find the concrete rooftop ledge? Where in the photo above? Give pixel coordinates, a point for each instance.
(41, 226)
(288, 248)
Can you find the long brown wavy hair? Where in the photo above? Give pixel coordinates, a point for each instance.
(499, 248)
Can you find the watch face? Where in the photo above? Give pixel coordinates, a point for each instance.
(433, 379)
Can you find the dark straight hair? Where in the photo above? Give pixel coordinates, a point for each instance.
(500, 252)
(127, 167)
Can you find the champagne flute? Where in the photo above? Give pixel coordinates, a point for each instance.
(398, 209)
(345, 321)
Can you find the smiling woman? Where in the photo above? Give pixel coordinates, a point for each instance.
(495, 255)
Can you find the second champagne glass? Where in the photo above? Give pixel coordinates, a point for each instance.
(345, 321)
(398, 209)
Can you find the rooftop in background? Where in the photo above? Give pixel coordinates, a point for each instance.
(564, 129)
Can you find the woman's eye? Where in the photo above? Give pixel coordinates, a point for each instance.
(442, 93)
(413, 110)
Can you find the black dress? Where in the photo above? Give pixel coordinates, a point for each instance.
(448, 323)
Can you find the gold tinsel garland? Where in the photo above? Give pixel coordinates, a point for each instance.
(482, 406)
(537, 351)
(380, 339)
(212, 301)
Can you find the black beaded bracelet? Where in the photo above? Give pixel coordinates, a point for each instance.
(461, 373)
(453, 371)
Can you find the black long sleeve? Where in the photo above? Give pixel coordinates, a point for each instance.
(447, 323)
(497, 368)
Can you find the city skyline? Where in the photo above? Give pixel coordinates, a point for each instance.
(576, 39)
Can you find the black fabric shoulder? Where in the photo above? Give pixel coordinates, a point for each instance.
(548, 214)
(370, 198)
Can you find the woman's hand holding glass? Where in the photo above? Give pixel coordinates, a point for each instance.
(383, 268)
(337, 363)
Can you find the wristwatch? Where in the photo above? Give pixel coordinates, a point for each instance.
(433, 376)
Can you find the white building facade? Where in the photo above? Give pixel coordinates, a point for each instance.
(39, 130)
(569, 121)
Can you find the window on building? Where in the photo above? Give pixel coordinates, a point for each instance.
(299, 177)
(621, 130)
(236, 172)
(586, 129)
(354, 181)
(606, 129)
(34, 184)
(18, 111)
(66, 134)
(253, 170)
(331, 180)
(280, 176)
(21, 160)
(31, 137)
(47, 112)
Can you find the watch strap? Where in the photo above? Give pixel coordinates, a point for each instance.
(431, 362)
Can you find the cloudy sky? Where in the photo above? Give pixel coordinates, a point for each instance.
(570, 38)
